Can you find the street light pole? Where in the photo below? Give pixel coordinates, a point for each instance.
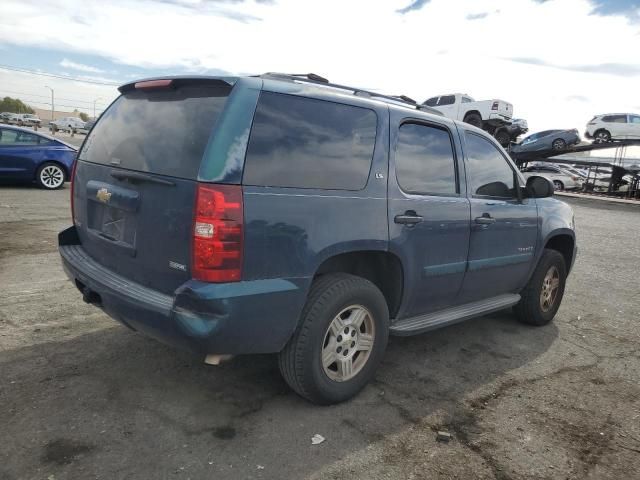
(94, 107)
(52, 106)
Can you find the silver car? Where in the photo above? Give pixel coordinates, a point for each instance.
(562, 179)
(547, 141)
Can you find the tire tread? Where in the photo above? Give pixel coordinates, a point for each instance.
(291, 358)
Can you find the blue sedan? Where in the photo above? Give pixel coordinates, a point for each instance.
(29, 156)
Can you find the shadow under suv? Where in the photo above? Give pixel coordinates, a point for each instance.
(282, 214)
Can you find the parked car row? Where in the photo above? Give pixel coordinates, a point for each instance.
(561, 177)
(20, 119)
(69, 124)
(576, 177)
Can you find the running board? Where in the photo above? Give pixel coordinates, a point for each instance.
(449, 316)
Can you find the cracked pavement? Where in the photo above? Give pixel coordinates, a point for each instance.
(83, 397)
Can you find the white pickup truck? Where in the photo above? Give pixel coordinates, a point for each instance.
(488, 115)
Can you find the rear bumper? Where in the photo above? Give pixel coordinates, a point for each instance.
(256, 316)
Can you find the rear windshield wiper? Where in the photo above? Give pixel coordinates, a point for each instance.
(136, 177)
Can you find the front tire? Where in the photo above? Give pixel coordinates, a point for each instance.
(50, 176)
(340, 341)
(543, 294)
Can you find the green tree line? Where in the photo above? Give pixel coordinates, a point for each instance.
(14, 105)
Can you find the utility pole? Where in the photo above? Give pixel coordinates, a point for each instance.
(94, 107)
(52, 106)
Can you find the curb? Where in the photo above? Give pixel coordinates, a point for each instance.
(596, 196)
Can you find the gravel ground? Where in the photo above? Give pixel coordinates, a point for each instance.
(82, 397)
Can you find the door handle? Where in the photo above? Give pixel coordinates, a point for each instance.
(485, 219)
(408, 218)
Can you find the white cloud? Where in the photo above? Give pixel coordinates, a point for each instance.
(79, 66)
(368, 44)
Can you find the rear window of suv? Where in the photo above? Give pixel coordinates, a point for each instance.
(159, 131)
(308, 143)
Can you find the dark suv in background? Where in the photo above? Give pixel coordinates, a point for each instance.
(283, 214)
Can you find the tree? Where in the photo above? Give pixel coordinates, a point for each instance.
(14, 105)
(84, 117)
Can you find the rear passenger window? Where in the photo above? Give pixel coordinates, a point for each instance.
(13, 138)
(425, 162)
(308, 143)
(488, 173)
(615, 119)
(447, 100)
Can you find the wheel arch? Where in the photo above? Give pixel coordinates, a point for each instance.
(563, 243)
(602, 129)
(470, 112)
(382, 268)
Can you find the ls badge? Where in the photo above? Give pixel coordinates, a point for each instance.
(103, 195)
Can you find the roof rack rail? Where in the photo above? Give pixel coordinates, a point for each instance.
(309, 76)
(319, 80)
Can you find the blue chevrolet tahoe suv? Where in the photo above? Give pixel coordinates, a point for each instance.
(283, 214)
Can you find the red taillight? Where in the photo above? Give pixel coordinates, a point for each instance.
(73, 182)
(217, 233)
(494, 106)
(149, 84)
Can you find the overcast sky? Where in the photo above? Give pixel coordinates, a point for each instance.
(558, 61)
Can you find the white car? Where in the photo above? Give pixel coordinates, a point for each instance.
(562, 179)
(27, 120)
(485, 114)
(613, 126)
(71, 124)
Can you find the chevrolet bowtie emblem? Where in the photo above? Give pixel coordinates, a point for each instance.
(103, 195)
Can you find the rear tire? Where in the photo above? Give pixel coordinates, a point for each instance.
(474, 119)
(316, 362)
(543, 294)
(50, 176)
(558, 185)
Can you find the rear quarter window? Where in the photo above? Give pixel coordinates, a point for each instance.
(163, 131)
(308, 143)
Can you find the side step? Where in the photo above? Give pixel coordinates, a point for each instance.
(449, 316)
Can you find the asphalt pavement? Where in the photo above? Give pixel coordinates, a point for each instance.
(84, 397)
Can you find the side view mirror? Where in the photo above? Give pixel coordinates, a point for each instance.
(539, 187)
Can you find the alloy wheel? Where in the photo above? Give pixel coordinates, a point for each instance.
(549, 291)
(602, 137)
(52, 176)
(348, 342)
